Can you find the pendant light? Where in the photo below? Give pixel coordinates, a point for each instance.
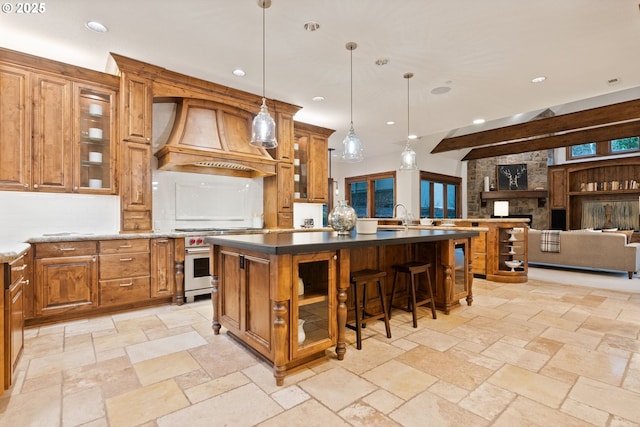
(408, 156)
(351, 145)
(263, 131)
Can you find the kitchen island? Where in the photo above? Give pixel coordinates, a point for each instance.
(284, 295)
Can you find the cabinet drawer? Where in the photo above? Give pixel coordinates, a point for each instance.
(124, 291)
(18, 268)
(136, 220)
(120, 246)
(124, 265)
(56, 249)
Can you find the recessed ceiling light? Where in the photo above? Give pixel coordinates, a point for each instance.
(391, 122)
(317, 98)
(382, 61)
(539, 79)
(412, 136)
(478, 121)
(238, 72)
(613, 81)
(311, 26)
(96, 26)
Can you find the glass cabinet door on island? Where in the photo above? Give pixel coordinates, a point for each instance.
(313, 326)
(94, 154)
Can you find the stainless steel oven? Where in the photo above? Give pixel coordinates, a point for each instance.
(197, 280)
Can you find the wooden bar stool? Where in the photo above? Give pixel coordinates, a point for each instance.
(413, 269)
(360, 279)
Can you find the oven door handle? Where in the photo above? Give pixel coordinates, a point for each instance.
(191, 251)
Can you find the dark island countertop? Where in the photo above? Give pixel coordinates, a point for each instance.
(293, 243)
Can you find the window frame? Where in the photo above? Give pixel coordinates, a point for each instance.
(445, 180)
(603, 148)
(370, 180)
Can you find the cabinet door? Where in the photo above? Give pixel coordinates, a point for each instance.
(52, 148)
(246, 307)
(94, 138)
(313, 303)
(557, 189)
(66, 284)
(318, 175)
(15, 131)
(14, 327)
(135, 196)
(285, 187)
(284, 129)
(162, 268)
(137, 104)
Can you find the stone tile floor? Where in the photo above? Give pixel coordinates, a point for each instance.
(535, 354)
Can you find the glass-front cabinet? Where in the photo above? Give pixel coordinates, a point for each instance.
(94, 155)
(314, 303)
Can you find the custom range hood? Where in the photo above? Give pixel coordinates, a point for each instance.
(213, 138)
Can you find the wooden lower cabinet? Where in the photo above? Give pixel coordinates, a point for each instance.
(162, 268)
(66, 276)
(82, 278)
(258, 301)
(124, 274)
(13, 313)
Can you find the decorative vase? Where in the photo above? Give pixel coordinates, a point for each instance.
(342, 218)
(301, 335)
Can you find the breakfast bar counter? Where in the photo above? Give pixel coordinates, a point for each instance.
(284, 295)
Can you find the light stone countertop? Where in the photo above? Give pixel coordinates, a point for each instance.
(10, 250)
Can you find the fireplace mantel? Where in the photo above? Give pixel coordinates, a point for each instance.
(541, 195)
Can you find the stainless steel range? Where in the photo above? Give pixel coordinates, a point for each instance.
(197, 280)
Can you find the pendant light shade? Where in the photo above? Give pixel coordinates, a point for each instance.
(408, 156)
(351, 145)
(263, 130)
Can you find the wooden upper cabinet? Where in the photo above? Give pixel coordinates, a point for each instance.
(94, 164)
(557, 189)
(284, 130)
(137, 108)
(135, 194)
(311, 163)
(15, 131)
(52, 128)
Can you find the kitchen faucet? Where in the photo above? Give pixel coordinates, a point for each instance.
(404, 218)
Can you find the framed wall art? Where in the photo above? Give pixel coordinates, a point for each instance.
(512, 177)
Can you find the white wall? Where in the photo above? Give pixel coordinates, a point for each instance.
(27, 214)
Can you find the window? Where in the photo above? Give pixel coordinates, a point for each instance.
(372, 195)
(604, 148)
(439, 196)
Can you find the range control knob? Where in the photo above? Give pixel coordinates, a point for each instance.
(200, 241)
(192, 241)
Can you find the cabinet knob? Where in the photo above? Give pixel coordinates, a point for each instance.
(35, 186)
(75, 188)
(26, 185)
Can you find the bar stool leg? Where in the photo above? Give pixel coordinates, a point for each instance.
(413, 301)
(433, 303)
(384, 309)
(393, 291)
(356, 302)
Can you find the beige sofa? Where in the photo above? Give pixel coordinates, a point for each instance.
(587, 249)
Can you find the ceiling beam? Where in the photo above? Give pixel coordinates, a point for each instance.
(602, 133)
(599, 116)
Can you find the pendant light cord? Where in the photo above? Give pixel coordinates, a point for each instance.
(263, 53)
(351, 84)
(408, 76)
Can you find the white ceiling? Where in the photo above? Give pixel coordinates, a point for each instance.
(485, 51)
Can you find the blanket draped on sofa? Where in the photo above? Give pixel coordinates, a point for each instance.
(550, 241)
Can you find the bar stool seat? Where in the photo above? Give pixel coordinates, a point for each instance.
(413, 269)
(360, 279)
